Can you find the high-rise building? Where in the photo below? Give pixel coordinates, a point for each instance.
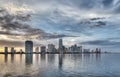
(29, 47)
(43, 49)
(37, 49)
(75, 48)
(51, 48)
(21, 51)
(12, 50)
(98, 50)
(86, 50)
(61, 46)
(79, 49)
(6, 50)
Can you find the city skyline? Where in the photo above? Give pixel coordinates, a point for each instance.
(50, 49)
(91, 23)
(60, 38)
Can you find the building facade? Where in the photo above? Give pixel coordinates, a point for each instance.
(12, 50)
(61, 46)
(43, 49)
(29, 47)
(6, 50)
(51, 48)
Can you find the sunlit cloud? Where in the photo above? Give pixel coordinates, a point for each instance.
(12, 8)
(45, 21)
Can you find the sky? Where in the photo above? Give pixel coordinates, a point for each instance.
(90, 23)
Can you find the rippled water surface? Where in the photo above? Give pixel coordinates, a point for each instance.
(69, 65)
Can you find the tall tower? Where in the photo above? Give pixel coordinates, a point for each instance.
(37, 49)
(43, 49)
(12, 50)
(61, 46)
(28, 46)
(51, 48)
(6, 50)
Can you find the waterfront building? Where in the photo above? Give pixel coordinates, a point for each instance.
(12, 50)
(61, 46)
(43, 49)
(37, 49)
(51, 48)
(6, 50)
(29, 47)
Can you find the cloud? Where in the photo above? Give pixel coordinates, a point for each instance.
(14, 43)
(102, 43)
(65, 23)
(107, 3)
(11, 43)
(14, 26)
(103, 6)
(44, 19)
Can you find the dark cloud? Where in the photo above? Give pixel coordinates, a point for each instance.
(62, 23)
(5, 16)
(101, 43)
(107, 3)
(98, 24)
(117, 9)
(97, 18)
(82, 4)
(95, 22)
(40, 19)
(96, 5)
(103, 6)
(53, 36)
(14, 25)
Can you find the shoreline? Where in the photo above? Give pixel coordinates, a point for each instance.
(63, 53)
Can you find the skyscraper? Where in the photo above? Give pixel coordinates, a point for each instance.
(43, 49)
(28, 46)
(6, 50)
(37, 49)
(60, 46)
(21, 51)
(79, 49)
(51, 48)
(12, 50)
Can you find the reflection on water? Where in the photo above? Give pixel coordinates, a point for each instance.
(28, 58)
(20, 57)
(51, 58)
(60, 65)
(6, 58)
(12, 58)
(60, 61)
(43, 57)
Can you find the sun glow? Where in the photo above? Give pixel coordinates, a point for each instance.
(13, 9)
(93, 15)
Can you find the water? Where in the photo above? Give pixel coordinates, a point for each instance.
(69, 65)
